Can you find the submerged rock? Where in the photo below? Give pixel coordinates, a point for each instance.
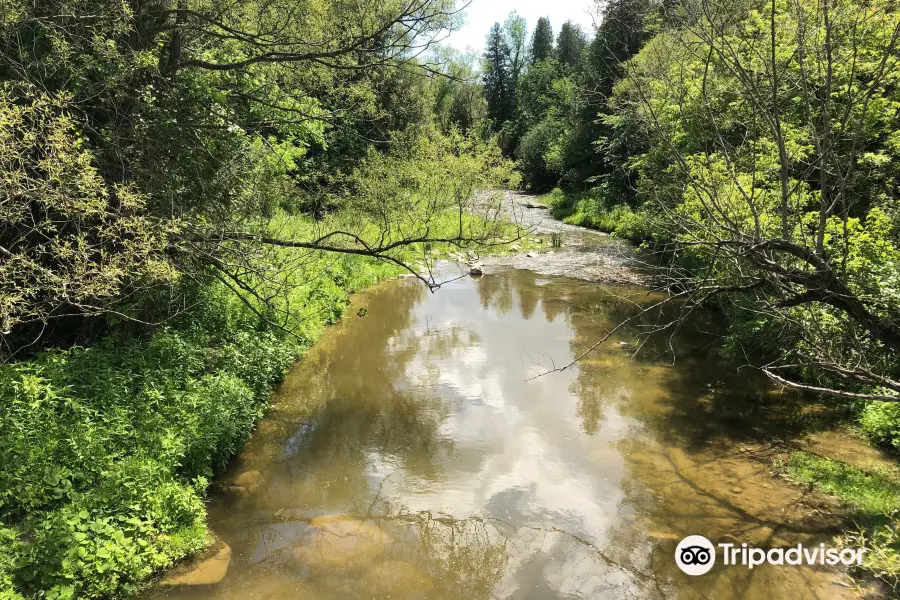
(208, 571)
(340, 542)
(249, 480)
(660, 536)
(236, 492)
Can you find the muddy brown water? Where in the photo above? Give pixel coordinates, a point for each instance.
(412, 454)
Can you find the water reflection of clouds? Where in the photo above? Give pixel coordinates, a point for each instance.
(428, 435)
(518, 455)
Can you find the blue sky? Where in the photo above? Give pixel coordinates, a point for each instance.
(481, 14)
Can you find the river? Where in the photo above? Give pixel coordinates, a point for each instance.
(422, 450)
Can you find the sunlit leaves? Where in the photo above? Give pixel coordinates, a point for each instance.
(70, 239)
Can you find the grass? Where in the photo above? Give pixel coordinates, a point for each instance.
(873, 500)
(587, 210)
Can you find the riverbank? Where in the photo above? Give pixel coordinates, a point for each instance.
(108, 450)
(842, 461)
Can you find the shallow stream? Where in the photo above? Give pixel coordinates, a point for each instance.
(413, 453)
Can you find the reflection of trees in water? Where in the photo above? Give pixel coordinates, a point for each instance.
(529, 294)
(466, 556)
(350, 379)
(592, 311)
(496, 292)
(438, 556)
(400, 555)
(622, 372)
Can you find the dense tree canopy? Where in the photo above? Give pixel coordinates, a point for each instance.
(148, 142)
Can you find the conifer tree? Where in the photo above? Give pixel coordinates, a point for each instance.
(497, 77)
(542, 41)
(569, 44)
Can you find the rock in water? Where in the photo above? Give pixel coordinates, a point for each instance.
(249, 480)
(660, 536)
(236, 492)
(340, 542)
(476, 270)
(207, 571)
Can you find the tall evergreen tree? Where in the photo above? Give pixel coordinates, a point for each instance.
(625, 28)
(516, 31)
(542, 41)
(569, 45)
(497, 78)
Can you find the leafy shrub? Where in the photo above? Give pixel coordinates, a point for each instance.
(106, 449)
(536, 154)
(880, 421)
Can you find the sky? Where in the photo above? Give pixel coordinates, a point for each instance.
(481, 14)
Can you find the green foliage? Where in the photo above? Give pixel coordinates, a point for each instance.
(129, 134)
(542, 41)
(570, 43)
(515, 30)
(458, 98)
(589, 210)
(880, 421)
(873, 497)
(557, 126)
(497, 76)
(536, 153)
(93, 238)
(869, 493)
(107, 449)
